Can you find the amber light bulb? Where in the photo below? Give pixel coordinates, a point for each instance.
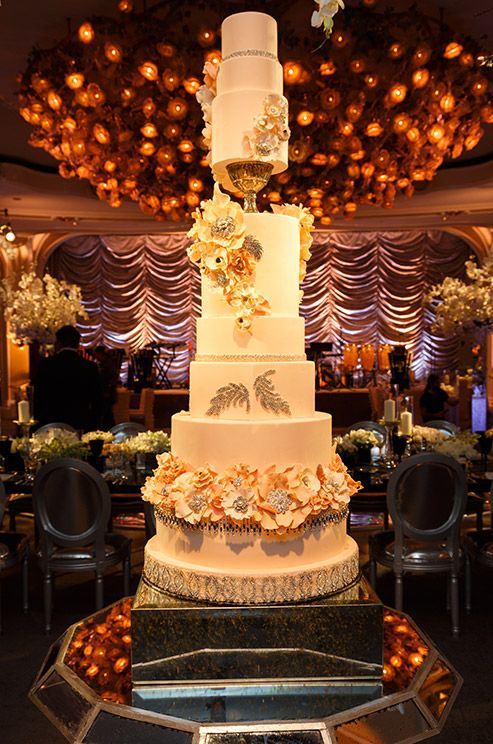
(177, 108)
(453, 50)
(292, 72)
(191, 85)
(85, 33)
(305, 118)
(113, 52)
(420, 77)
(149, 130)
(397, 93)
(149, 71)
(374, 129)
(396, 50)
(447, 103)
(401, 123)
(54, 100)
(74, 80)
(371, 81)
(206, 37)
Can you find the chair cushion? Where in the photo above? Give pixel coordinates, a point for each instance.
(419, 553)
(79, 553)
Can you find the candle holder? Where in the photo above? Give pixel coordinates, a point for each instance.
(30, 463)
(389, 457)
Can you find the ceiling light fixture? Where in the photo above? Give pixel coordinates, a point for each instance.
(374, 111)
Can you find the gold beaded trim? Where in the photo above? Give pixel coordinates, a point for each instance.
(250, 358)
(248, 589)
(250, 527)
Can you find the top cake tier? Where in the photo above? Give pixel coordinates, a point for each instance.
(249, 112)
(256, 31)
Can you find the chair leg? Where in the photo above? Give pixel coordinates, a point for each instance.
(398, 590)
(48, 600)
(99, 591)
(448, 599)
(467, 581)
(1, 626)
(25, 584)
(454, 596)
(126, 576)
(373, 572)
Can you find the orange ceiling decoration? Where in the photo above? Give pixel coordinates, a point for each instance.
(374, 111)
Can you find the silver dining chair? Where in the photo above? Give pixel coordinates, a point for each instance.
(426, 499)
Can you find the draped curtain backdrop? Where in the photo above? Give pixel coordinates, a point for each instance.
(360, 287)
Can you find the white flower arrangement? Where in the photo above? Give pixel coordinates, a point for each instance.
(103, 436)
(460, 447)
(146, 442)
(355, 439)
(428, 435)
(324, 15)
(205, 95)
(38, 307)
(460, 306)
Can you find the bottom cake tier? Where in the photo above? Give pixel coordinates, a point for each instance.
(247, 566)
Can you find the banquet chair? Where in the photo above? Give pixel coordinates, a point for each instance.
(72, 506)
(55, 426)
(14, 549)
(377, 429)
(446, 427)
(126, 429)
(426, 498)
(478, 548)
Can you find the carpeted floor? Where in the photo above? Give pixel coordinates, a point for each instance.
(24, 645)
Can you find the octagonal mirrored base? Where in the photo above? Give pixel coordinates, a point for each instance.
(69, 690)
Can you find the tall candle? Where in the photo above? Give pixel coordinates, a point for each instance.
(23, 413)
(389, 410)
(407, 423)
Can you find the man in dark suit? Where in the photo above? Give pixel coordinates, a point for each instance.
(67, 387)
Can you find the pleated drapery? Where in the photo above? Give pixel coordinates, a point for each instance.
(360, 287)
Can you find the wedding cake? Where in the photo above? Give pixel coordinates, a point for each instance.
(251, 503)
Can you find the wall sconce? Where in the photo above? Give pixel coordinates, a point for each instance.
(6, 228)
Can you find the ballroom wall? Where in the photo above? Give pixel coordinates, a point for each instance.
(361, 286)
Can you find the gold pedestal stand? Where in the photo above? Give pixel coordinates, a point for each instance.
(250, 177)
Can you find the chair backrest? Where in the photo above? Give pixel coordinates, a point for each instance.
(3, 502)
(426, 498)
(55, 426)
(72, 504)
(126, 429)
(444, 426)
(372, 426)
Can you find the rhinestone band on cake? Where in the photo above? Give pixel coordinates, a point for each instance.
(250, 53)
(230, 588)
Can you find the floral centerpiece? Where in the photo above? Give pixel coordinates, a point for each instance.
(461, 447)
(146, 442)
(51, 444)
(461, 306)
(275, 499)
(37, 307)
(426, 436)
(97, 435)
(356, 446)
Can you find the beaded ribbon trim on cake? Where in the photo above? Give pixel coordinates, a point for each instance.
(248, 589)
(250, 357)
(249, 528)
(250, 53)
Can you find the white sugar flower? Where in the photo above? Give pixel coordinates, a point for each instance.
(325, 13)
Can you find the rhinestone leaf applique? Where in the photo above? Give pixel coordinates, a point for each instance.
(253, 246)
(269, 399)
(233, 394)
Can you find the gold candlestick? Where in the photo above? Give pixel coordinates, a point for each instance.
(250, 176)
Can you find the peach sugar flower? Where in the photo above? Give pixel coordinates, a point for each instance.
(240, 492)
(337, 486)
(193, 493)
(284, 501)
(156, 489)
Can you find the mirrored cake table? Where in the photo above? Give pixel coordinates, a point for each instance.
(281, 695)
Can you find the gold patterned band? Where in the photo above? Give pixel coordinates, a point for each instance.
(248, 589)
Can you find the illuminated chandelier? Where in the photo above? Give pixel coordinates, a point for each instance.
(374, 111)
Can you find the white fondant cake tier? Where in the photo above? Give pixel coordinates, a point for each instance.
(256, 553)
(294, 383)
(250, 30)
(280, 442)
(265, 585)
(273, 337)
(277, 272)
(250, 72)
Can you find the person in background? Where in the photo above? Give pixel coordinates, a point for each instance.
(433, 400)
(109, 373)
(67, 387)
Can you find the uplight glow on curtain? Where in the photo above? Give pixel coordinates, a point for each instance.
(360, 287)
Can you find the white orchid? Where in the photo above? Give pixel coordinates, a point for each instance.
(325, 14)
